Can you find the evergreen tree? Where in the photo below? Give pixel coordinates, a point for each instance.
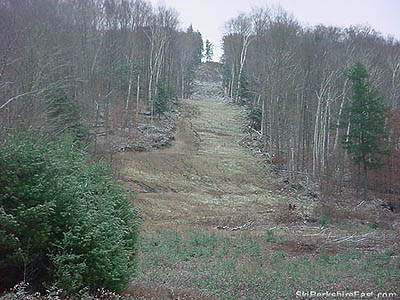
(63, 221)
(366, 117)
(244, 90)
(194, 60)
(199, 49)
(209, 51)
(254, 116)
(64, 114)
(161, 104)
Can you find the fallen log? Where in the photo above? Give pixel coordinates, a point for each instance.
(242, 227)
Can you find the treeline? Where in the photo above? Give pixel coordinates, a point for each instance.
(84, 64)
(294, 79)
(69, 70)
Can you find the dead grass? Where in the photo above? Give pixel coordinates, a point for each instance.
(206, 181)
(205, 173)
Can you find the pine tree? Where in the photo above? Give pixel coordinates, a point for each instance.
(64, 114)
(161, 104)
(366, 117)
(195, 55)
(209, 51)
(244, 90)
(198, 48)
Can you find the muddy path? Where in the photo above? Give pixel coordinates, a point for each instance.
(205, 177)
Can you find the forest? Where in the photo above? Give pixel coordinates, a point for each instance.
(72, 72)
(91, 66)
(133, 167)
(295, 80)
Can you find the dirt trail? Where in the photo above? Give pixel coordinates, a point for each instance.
(206, 180)
(206, 177)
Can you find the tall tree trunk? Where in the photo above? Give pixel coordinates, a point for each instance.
(138, 99)
(365, 178)
(127, 114)
(183, 82)
(243, 55)
(340, 115)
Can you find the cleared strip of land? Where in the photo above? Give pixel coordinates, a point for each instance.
(216, 223)
(205, 175)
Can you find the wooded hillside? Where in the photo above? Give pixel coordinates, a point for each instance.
(91, 66)
(296, 79)
(125, 162)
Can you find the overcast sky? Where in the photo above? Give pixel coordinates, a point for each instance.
(209, 16)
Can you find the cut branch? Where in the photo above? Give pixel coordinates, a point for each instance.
(15, 98)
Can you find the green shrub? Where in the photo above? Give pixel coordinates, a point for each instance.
(63, 221)
(254, 116)
(324, 220)
(373, 224)
(269, 236)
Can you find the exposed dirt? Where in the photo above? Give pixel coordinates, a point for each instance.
(207, 180)
(206, 177)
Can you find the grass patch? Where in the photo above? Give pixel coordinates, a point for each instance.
(242, 265)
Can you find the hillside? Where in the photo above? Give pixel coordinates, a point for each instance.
(210, 205)
(132, 169)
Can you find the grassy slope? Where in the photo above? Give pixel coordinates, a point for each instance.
(206, 179)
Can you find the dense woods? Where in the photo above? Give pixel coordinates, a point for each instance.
(295, 81)
(91, 66)
(70, 71)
